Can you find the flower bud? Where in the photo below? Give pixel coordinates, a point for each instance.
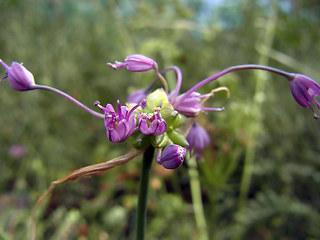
(19, 77)
(158, 98)
(177, 138)
(140, 141)
(198, 139)
(161, 141)
(135, 63)
(171, 157)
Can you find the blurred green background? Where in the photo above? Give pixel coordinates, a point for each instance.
(261, 175)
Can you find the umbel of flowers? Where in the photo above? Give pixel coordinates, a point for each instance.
(154, 117)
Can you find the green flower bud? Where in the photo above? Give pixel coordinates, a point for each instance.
(161, 141)
(172, 118)
(168, 114)
(140, 141)
(177, 138)
(177, 121)
(156, 99)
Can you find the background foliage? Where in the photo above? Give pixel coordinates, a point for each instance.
(261, 174)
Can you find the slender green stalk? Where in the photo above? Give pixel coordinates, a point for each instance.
(143, 193)
(163, 81)
(197, 200)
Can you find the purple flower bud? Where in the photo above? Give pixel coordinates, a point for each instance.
(304, 90)
(19, 77)
(190, 106)
(119, 125)
(171, 157)
(152, 124)
(198, 139)
(137, 96)
(135, 63)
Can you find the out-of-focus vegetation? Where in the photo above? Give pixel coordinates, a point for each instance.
(261, 174)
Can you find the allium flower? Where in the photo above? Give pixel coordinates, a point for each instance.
(152, 124)
(171, 157)
(190, 106)
(19, 77)
(304, 90)
(135, 63)
(189, 103)
(137, 96)
(119, 125)
(198, 139)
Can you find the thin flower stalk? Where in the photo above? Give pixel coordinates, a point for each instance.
(175, 93)
(233, 69)
(63, 94)
(197, 199)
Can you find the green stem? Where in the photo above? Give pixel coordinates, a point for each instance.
(197, 200)
(143, 193)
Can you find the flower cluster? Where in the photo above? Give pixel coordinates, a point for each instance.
(162, 132)
(154, 118)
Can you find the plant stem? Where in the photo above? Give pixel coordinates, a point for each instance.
(197, 200)
(143, 193)
(63, 94)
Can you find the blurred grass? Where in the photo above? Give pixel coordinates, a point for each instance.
(66, 45)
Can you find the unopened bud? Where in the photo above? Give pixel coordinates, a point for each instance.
(171, 157)
(19, 77)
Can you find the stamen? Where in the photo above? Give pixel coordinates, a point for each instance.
(119, 110)
(97, 104)
(221, 89)
(213, 109)
(143, 103)
(136, 106)
(117, 65)
(4, 64)
(3, 78)
(213, 91)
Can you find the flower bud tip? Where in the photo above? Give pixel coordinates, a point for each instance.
(113, 66)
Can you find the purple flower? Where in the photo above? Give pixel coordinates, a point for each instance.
(198, 139)
(189, 103)
(19, 77)
(135, 63)
(152, 124)
(304, 90)
(137, 96)
(119, 125)
(190, 106)
(171, 157)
